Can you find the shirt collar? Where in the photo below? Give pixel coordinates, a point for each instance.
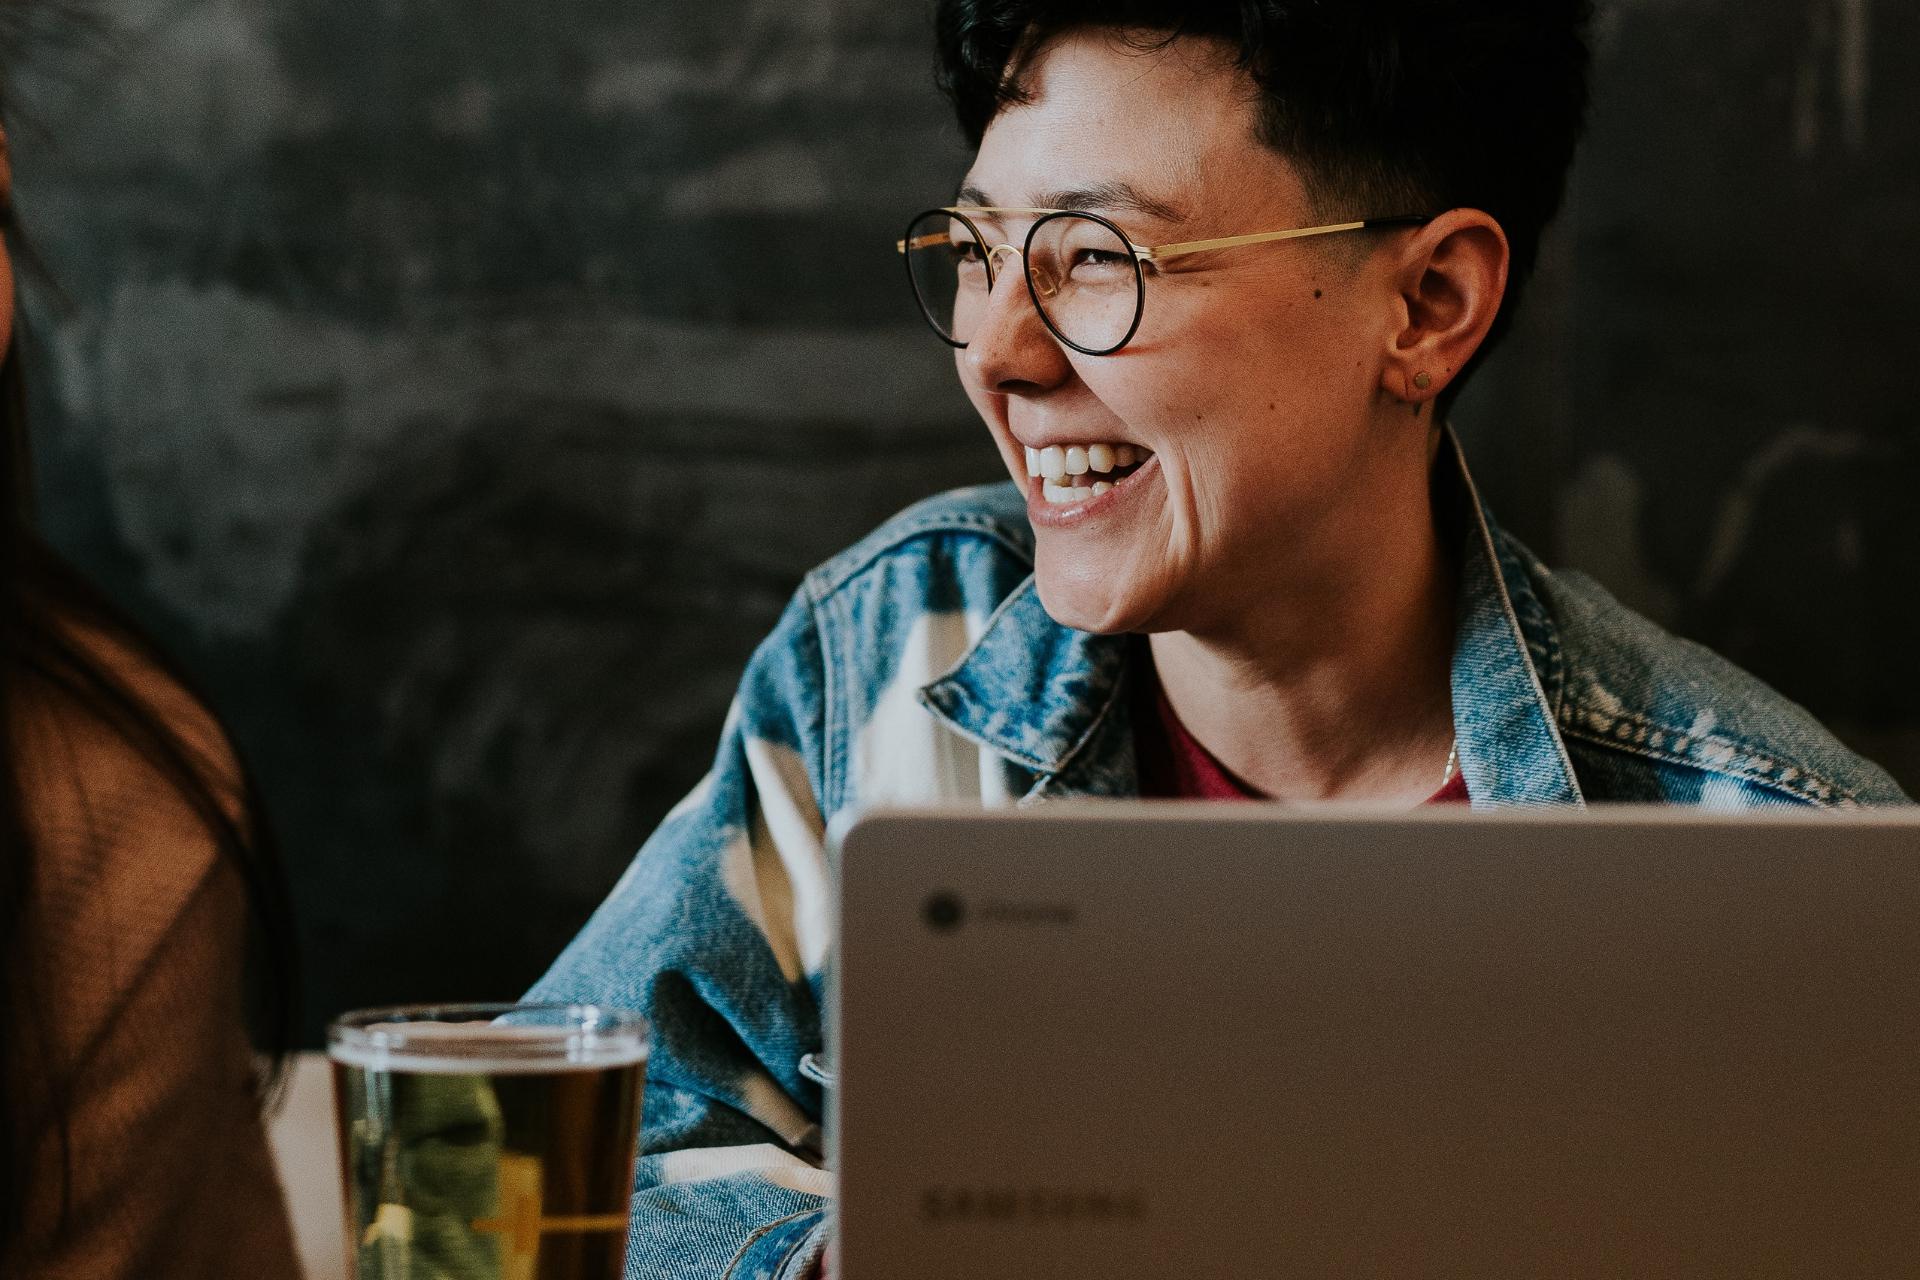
(1052, 699)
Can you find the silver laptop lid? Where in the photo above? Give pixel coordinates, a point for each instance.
(1202, 1040)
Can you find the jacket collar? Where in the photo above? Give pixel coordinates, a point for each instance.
(1507, 672)
(1031, 689)
(1053, 700)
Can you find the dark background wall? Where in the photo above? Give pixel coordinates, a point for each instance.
(461, 388)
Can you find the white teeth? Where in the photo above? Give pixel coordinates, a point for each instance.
(1056, 462)
(1063, 495)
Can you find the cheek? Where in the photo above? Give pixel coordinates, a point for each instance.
(1249, 419)
(1268, 374)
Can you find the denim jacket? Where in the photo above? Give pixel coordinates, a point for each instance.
(919, 666)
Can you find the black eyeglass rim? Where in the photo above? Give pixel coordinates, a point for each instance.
(913, 282)
(1139, 280)
(1026, 252)
(1026, 256)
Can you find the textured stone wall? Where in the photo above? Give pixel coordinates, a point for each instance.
(461, 388)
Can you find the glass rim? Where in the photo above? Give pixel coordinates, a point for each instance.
(1133, 260)
(1026, 274)
(471, 1037)
(920, 300)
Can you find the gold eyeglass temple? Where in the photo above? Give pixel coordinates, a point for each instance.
(1160, 253)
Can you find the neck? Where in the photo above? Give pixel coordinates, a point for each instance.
(1336, 686)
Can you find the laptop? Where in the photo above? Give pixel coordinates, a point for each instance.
(1168, 1040)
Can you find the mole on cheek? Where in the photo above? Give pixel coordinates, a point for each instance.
(1316, 293)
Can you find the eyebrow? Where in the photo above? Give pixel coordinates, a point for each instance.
(1113, 196)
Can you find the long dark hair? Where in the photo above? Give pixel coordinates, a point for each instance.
(44, 605)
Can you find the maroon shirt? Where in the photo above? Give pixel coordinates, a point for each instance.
(1174, 766)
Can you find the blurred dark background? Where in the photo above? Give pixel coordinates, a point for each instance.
(460, 388)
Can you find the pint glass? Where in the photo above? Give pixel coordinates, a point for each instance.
(488, 1142)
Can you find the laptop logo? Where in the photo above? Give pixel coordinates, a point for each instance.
(946, 911)
(1056, 1206)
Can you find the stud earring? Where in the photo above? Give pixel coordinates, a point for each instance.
(1423, 380)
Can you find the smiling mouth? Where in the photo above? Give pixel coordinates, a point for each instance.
(1075, 473)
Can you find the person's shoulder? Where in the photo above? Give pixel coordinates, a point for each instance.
(134, 932)
(963, 541)
(114, 726)
(1628, 686)
(121, 845)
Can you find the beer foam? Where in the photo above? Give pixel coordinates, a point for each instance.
(483, 1049)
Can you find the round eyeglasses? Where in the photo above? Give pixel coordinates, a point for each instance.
(1086, 279)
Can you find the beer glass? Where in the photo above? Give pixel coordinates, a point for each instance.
(488, 1142)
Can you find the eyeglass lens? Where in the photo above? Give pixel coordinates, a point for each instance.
(1083, 275)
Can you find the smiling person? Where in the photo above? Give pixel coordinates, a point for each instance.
(1212, 280)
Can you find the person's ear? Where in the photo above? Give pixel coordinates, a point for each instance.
(1451, 276)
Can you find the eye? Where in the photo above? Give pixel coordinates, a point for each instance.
(1095, 267)
(965, 251)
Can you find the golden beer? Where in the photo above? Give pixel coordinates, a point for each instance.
(488, 1142)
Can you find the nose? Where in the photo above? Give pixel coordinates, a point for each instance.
(1012, 352)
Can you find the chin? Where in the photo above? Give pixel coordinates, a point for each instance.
(1089, 606)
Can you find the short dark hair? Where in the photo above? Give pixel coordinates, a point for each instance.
(1383, 106)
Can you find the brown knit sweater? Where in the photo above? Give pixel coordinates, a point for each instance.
(137, 928)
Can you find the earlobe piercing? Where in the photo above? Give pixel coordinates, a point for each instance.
(1423, 380)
